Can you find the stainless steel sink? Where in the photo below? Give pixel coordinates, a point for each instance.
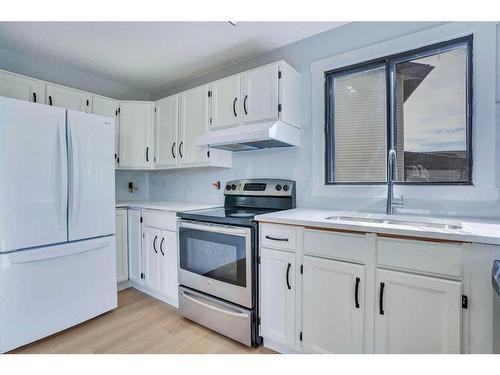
(390, 221)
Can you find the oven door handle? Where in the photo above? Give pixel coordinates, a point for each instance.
(214, 308)
(216, 228)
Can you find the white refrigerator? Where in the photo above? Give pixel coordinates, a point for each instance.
(57, 220)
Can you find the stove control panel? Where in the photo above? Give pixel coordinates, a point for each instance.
(261, 187)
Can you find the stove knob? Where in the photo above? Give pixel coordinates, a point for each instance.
(278, 187)
(228, 187)
(285, 187)
(233, 186)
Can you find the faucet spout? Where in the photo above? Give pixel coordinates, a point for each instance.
(391, 176)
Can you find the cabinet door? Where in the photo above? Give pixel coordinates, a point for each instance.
(136, 124)
(151, 238)
(193, 123)
(22, 88)
(135, 245)
(109, 108)
(121, 245)
(65, 97)
(168, 251)
(166, 127)
(277, 291)
(417, 314)
(333, 306)
(260, 95)
(226, 103)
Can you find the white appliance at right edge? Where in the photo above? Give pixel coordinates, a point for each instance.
(57, 223)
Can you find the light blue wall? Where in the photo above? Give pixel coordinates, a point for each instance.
(66, 75)
(295, 163)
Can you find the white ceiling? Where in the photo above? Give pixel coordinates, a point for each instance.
(152, 55)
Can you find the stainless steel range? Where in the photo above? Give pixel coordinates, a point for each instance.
(218, 253)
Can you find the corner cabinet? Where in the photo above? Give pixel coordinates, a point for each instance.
(136, 135)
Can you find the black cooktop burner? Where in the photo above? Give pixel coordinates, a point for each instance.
(221, 215)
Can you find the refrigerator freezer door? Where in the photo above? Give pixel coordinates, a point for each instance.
(91, 206)
(33, 170)
(49, 289)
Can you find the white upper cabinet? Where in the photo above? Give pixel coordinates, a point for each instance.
(277, 296)
(260, 94)
(193, 123)
(108, 107)
(333, 306)
(417, 314)
(136, 130)
(166, 130)
(65, 97)
(226, 103)
(22, 88)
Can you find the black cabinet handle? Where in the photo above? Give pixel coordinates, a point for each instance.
(173, 148)
(234, 107)
(50, 100)
(34, 97)
(147, 154)
(356, 293)
(245, 104)
(180, 148)
(154, 244)
(381, 299)
(288, 276)
(277, 239)
(161, 246)
(88, 102)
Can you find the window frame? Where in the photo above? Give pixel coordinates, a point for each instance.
(390, 62)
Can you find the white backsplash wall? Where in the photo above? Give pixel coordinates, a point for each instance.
(140, 180)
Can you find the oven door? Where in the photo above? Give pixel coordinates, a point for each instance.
(216, 259)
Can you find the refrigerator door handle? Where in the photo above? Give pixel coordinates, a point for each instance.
(73, 205)
(63, 197)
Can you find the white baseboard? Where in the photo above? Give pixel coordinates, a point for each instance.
(124, 285)
(270, 344)
(152, 293)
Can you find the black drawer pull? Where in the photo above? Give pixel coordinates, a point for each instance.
(147, 154)
(277, 239)
(381, 299)
(356, 293)
(245, 104)
(234, 107)
(50, 100)
(34, 97)
(173, 148)
(180, 148)
(161, 246)
(288, 276)
(154, 244)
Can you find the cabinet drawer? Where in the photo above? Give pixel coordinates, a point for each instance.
(345, 246)
(438, 258)
(160, 219)
(277, 236)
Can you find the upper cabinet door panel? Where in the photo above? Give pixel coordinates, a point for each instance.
(260, 95)
(136, 123)
(226, 103)
(104, 106)
(193, 123)
(65, 97)
(166, 127)
(22, 88)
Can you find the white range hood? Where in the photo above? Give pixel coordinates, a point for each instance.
(252, 137)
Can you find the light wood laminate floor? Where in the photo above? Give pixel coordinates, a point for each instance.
(140, 324)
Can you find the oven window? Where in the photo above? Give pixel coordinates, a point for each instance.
(218, 256)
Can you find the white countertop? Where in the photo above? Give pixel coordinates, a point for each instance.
(473, 230)
(173, 206)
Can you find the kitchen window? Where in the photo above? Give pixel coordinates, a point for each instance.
(417, 103)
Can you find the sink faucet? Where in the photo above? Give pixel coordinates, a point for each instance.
(392, 167)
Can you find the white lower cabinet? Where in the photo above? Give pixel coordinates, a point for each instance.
(277, 296)
(121, 245)
(333, 306)
(168, 266)
(417, 314)
(150, 258)
(134, 245)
